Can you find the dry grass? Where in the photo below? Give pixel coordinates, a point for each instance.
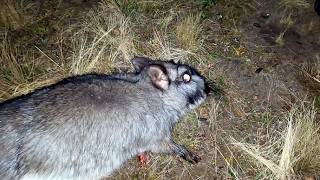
(188, 33)
(11, 15)
(310, 75)
(290, 11)
(295, 4)
(21, 73)
(161, 47)
(108, 41)
(105, 42)
(287, 21)
(293, 153)
(96, 46)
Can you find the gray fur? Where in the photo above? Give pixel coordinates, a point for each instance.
(84, 127)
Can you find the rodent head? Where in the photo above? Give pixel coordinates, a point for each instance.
(179, 82)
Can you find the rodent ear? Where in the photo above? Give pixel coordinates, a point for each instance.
(159, 77)
(140, 62)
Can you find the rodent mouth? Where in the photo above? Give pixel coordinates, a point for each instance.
(196, 98)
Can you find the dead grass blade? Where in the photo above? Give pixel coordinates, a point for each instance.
(295, 153)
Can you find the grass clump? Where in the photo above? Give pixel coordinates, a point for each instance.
(188, 33)
(105, 42)
(294, 4)
(22, 72)
(309, 76)
(99, 44)
(11, 15)
(127, 7)
(293, 153)
(290, 10)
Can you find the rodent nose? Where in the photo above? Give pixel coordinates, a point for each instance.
(207, 88)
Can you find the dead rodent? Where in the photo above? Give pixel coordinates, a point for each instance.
(84, 127)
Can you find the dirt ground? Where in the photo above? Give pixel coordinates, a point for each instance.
(261, 61)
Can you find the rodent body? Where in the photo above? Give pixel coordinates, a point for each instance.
(84, 127)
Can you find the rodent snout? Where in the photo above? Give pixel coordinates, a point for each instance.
(207, 88)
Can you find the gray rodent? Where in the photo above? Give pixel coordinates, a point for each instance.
(86, 126)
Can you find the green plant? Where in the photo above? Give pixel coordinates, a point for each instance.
(127, 7)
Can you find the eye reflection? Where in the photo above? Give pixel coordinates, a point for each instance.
(186, 77)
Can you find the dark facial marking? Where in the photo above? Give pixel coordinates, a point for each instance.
(195, 97)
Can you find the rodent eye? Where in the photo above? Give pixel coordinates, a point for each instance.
(186, 77)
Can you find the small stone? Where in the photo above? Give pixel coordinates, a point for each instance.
(203, 119)
(265, 15)
(258, 70)
(257, 25)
